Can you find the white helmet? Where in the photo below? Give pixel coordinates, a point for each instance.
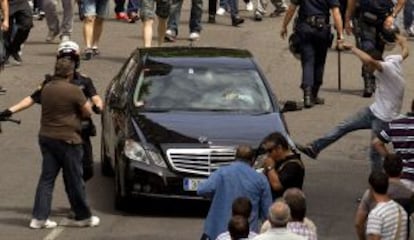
(69, 49)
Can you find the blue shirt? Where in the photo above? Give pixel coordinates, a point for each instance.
(224, 186)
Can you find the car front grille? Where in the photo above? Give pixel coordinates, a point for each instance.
(201, 161)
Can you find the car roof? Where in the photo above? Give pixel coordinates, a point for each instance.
(197, 56)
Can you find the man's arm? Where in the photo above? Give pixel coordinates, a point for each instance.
(22, 105)
(208, 188)
(336, 15)
(364, 57)
(349, 14)
(86, 109)
(271, 174)
(5, 12)
(397, 8)
(374, 237)
(286, 20)
(97, 101)
(360, 220)
(402, 41)
(266, 200)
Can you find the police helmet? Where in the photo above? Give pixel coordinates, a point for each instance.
(389, 36)
(294, 45)
(70, 50)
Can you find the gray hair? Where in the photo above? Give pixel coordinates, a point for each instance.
(279, 213)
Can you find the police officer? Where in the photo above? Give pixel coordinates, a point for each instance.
(314, 35)
(70, 50)
(366, 20)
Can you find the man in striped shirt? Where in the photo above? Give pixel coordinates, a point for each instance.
(400, 133)
(388, 220)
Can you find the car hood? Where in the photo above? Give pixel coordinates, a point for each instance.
(215, 129)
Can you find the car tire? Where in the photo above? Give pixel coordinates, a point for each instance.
(106, 168)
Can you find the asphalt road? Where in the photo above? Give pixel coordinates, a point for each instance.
(332, 184)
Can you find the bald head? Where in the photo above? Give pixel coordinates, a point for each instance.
(244, 153)
(279, 214)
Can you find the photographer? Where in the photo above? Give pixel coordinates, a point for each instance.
(69, 50)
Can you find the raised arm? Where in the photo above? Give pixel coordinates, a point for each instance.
(286, 20)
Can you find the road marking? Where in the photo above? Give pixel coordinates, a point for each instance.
(54, 233)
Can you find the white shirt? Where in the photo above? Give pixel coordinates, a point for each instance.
(226, 236)
(383, 221)
(279, 234)
(390, 89)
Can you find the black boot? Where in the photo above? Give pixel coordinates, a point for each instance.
(369, 82)
(307, 97)
(211, 18)
(236, 21)
(315, 99)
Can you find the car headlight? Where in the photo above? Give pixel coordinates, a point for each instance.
(136, 151)
(157, 159)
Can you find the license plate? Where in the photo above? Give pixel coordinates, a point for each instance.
(191, 184)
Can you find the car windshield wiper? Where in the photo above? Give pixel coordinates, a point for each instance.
(260, 113)
(155, 110)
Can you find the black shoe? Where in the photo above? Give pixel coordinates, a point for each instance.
(236, 21)
(211, 18)
(258, 17)
(16, 57)
(87, 54)
(318, 100)
(307, 150)
(278, 11)
(307, 98)
(369, 86)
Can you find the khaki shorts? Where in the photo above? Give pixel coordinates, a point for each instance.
(150, 8)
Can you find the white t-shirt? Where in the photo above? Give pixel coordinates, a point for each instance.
(383, 221)
(390, 89)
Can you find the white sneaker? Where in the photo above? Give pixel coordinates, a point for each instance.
(194, 36)
(170, 35)
(93, 221)
(221, 11)
(37, 224)
(249, 6)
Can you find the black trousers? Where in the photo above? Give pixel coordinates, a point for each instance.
(21, 21)
(87, 160)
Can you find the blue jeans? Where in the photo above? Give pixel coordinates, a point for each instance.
(58, 154)
(363, 119)
(195, 17)
(408, 13)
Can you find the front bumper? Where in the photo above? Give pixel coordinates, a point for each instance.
(153, 181)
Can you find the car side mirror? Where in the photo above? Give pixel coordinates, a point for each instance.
(290, 106)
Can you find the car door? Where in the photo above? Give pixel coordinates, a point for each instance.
(118, 113)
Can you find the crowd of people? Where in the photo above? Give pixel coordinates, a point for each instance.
(245, 203)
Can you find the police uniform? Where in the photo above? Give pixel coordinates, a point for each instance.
(314, 33)
(368, 23)
(88, 128)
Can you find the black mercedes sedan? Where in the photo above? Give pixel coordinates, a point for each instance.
(175, 115)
